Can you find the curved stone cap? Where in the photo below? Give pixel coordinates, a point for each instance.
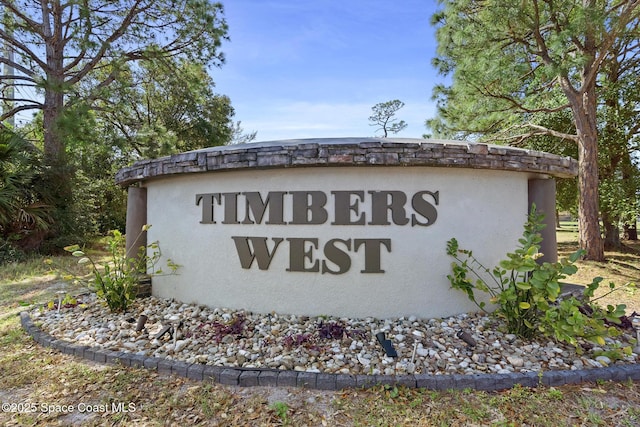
(351, 152)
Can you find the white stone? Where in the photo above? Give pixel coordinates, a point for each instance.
(515, 361)
(422, 352)
(365, 362)
(180, 345)
(259, 346)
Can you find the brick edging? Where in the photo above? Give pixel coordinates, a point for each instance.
(340, 152)
(246, 377)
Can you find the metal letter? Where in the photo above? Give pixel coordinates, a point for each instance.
(207, 206)
(308, 207)
(230, 208)
(337, 256)
(381, 205)
(298, 255)
(260, 250)
(372, 253)
(344, 207)
(255, 205)
(424, 208)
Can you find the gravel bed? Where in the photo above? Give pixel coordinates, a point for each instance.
(462, 344)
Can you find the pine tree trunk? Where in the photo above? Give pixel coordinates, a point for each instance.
(588, 222)
(54, 85)
(53, 145)
(611, 233)
(630, 231)
(57, 173)
(584, 106)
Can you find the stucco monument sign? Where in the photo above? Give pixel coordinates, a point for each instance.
(351, 227)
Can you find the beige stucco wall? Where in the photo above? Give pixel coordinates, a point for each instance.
(484, 209)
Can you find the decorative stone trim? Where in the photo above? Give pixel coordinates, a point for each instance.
(248, 377)
(350, 152)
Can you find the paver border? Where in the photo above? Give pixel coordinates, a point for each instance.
(249, 377)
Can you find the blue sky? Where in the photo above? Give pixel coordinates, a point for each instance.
(312, 69)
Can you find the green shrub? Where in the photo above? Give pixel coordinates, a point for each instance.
(116, 280)
(9, 253)
(526, 292)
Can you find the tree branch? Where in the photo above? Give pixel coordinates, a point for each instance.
(81, 55)
(30, 22)
(27, 52)
(17, 77)
(119, 32)
(16, 110)
(541, 130)
(518, 105)
(626, 16)
(104, 83)
(5, 98)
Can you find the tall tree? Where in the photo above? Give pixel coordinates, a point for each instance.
(619, 119)
(512, 61)
(61, 46)
(160, 108)
(383, 117)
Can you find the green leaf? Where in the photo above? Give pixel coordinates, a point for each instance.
(524, 305)
(569, 270)
(577, 255)
(452, 247)
(553, 288)
(613, 319)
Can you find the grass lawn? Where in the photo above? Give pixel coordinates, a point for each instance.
(619, 268)
(55, 389)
